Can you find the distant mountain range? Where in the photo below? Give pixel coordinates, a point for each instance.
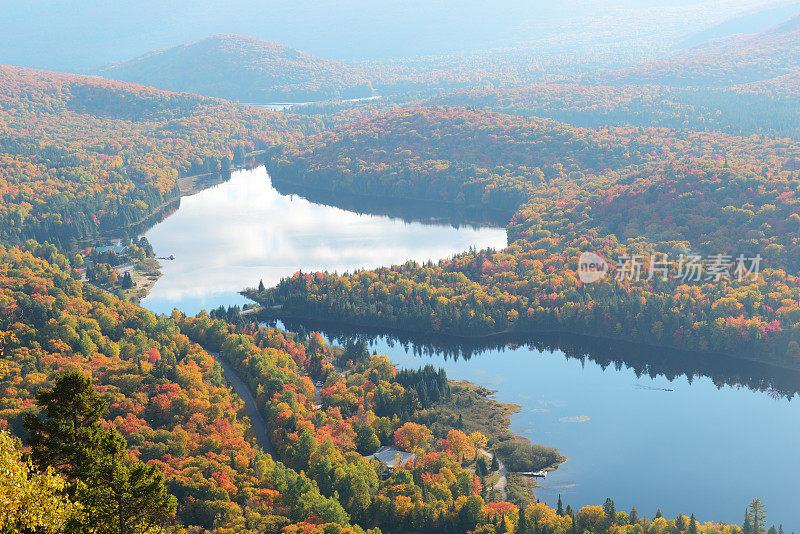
(749, 23)
(773, 54)
(242, 68)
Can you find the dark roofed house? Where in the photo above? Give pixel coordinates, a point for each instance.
(117, 249)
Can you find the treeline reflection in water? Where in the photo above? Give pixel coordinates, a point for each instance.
(643, 360)
(410, 210)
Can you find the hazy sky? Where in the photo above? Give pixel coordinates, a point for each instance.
(81, 34)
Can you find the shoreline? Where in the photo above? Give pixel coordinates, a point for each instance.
(187, 186)
(510, 336)
(145, 274)
(193, 184)
(498, 217)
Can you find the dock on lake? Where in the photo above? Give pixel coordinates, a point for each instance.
(534, 474)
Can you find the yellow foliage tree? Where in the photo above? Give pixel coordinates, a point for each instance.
(29, 501)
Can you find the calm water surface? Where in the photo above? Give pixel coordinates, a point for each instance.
(705, 447)
(709, 446)
(234, 234)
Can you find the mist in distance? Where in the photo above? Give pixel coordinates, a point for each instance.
(79, 37)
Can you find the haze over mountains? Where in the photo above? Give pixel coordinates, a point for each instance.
(755, 22)
(737, 59)
(77, 37)
(243, 68)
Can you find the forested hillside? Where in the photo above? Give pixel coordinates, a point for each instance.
(154, 419)
(166, 398)
(739, 84)
(80, 155)
(770, 108)
(630, 195)
(739, 59)
(166, 395)
(243, 68)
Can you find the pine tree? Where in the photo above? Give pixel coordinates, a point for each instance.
(522, 525)
(692, 525)
(117, 495)
(633, 517)
(501, 525)
(261, 287)
(747, 527)
(69, 432)
(610, 510)
(758, 515)
(658, 514)
(123, 497)
(495, 463)
(560, 508)
(480, 467)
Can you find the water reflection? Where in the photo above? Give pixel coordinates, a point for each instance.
(232, 235)
(424, 211)
(651, 428)
(644, 361)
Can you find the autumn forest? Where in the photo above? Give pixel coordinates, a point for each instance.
(649, 194)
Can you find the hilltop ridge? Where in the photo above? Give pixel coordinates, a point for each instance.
(242, 68)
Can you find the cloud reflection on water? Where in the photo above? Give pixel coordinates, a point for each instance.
(234, 234)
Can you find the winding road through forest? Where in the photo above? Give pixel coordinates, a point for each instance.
(241, 388)
(502, 481)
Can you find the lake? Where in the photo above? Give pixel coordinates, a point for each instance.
(646, 427)
(283, 106)
(649, 428)
(232, 235)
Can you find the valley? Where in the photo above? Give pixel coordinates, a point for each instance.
(360, 268)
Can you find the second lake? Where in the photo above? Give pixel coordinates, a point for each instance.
(683, 433)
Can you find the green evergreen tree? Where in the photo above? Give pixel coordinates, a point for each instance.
(633, 517)
(747, 527)
(480, 467)
(522, 525)
(495, 463)
(117, 495)
(560, 508)
(758, 516)
(610, 510)
(501, 525)
(67, 432)
(127, 281)
(261, 287)
(658, 514)
(120, 496)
